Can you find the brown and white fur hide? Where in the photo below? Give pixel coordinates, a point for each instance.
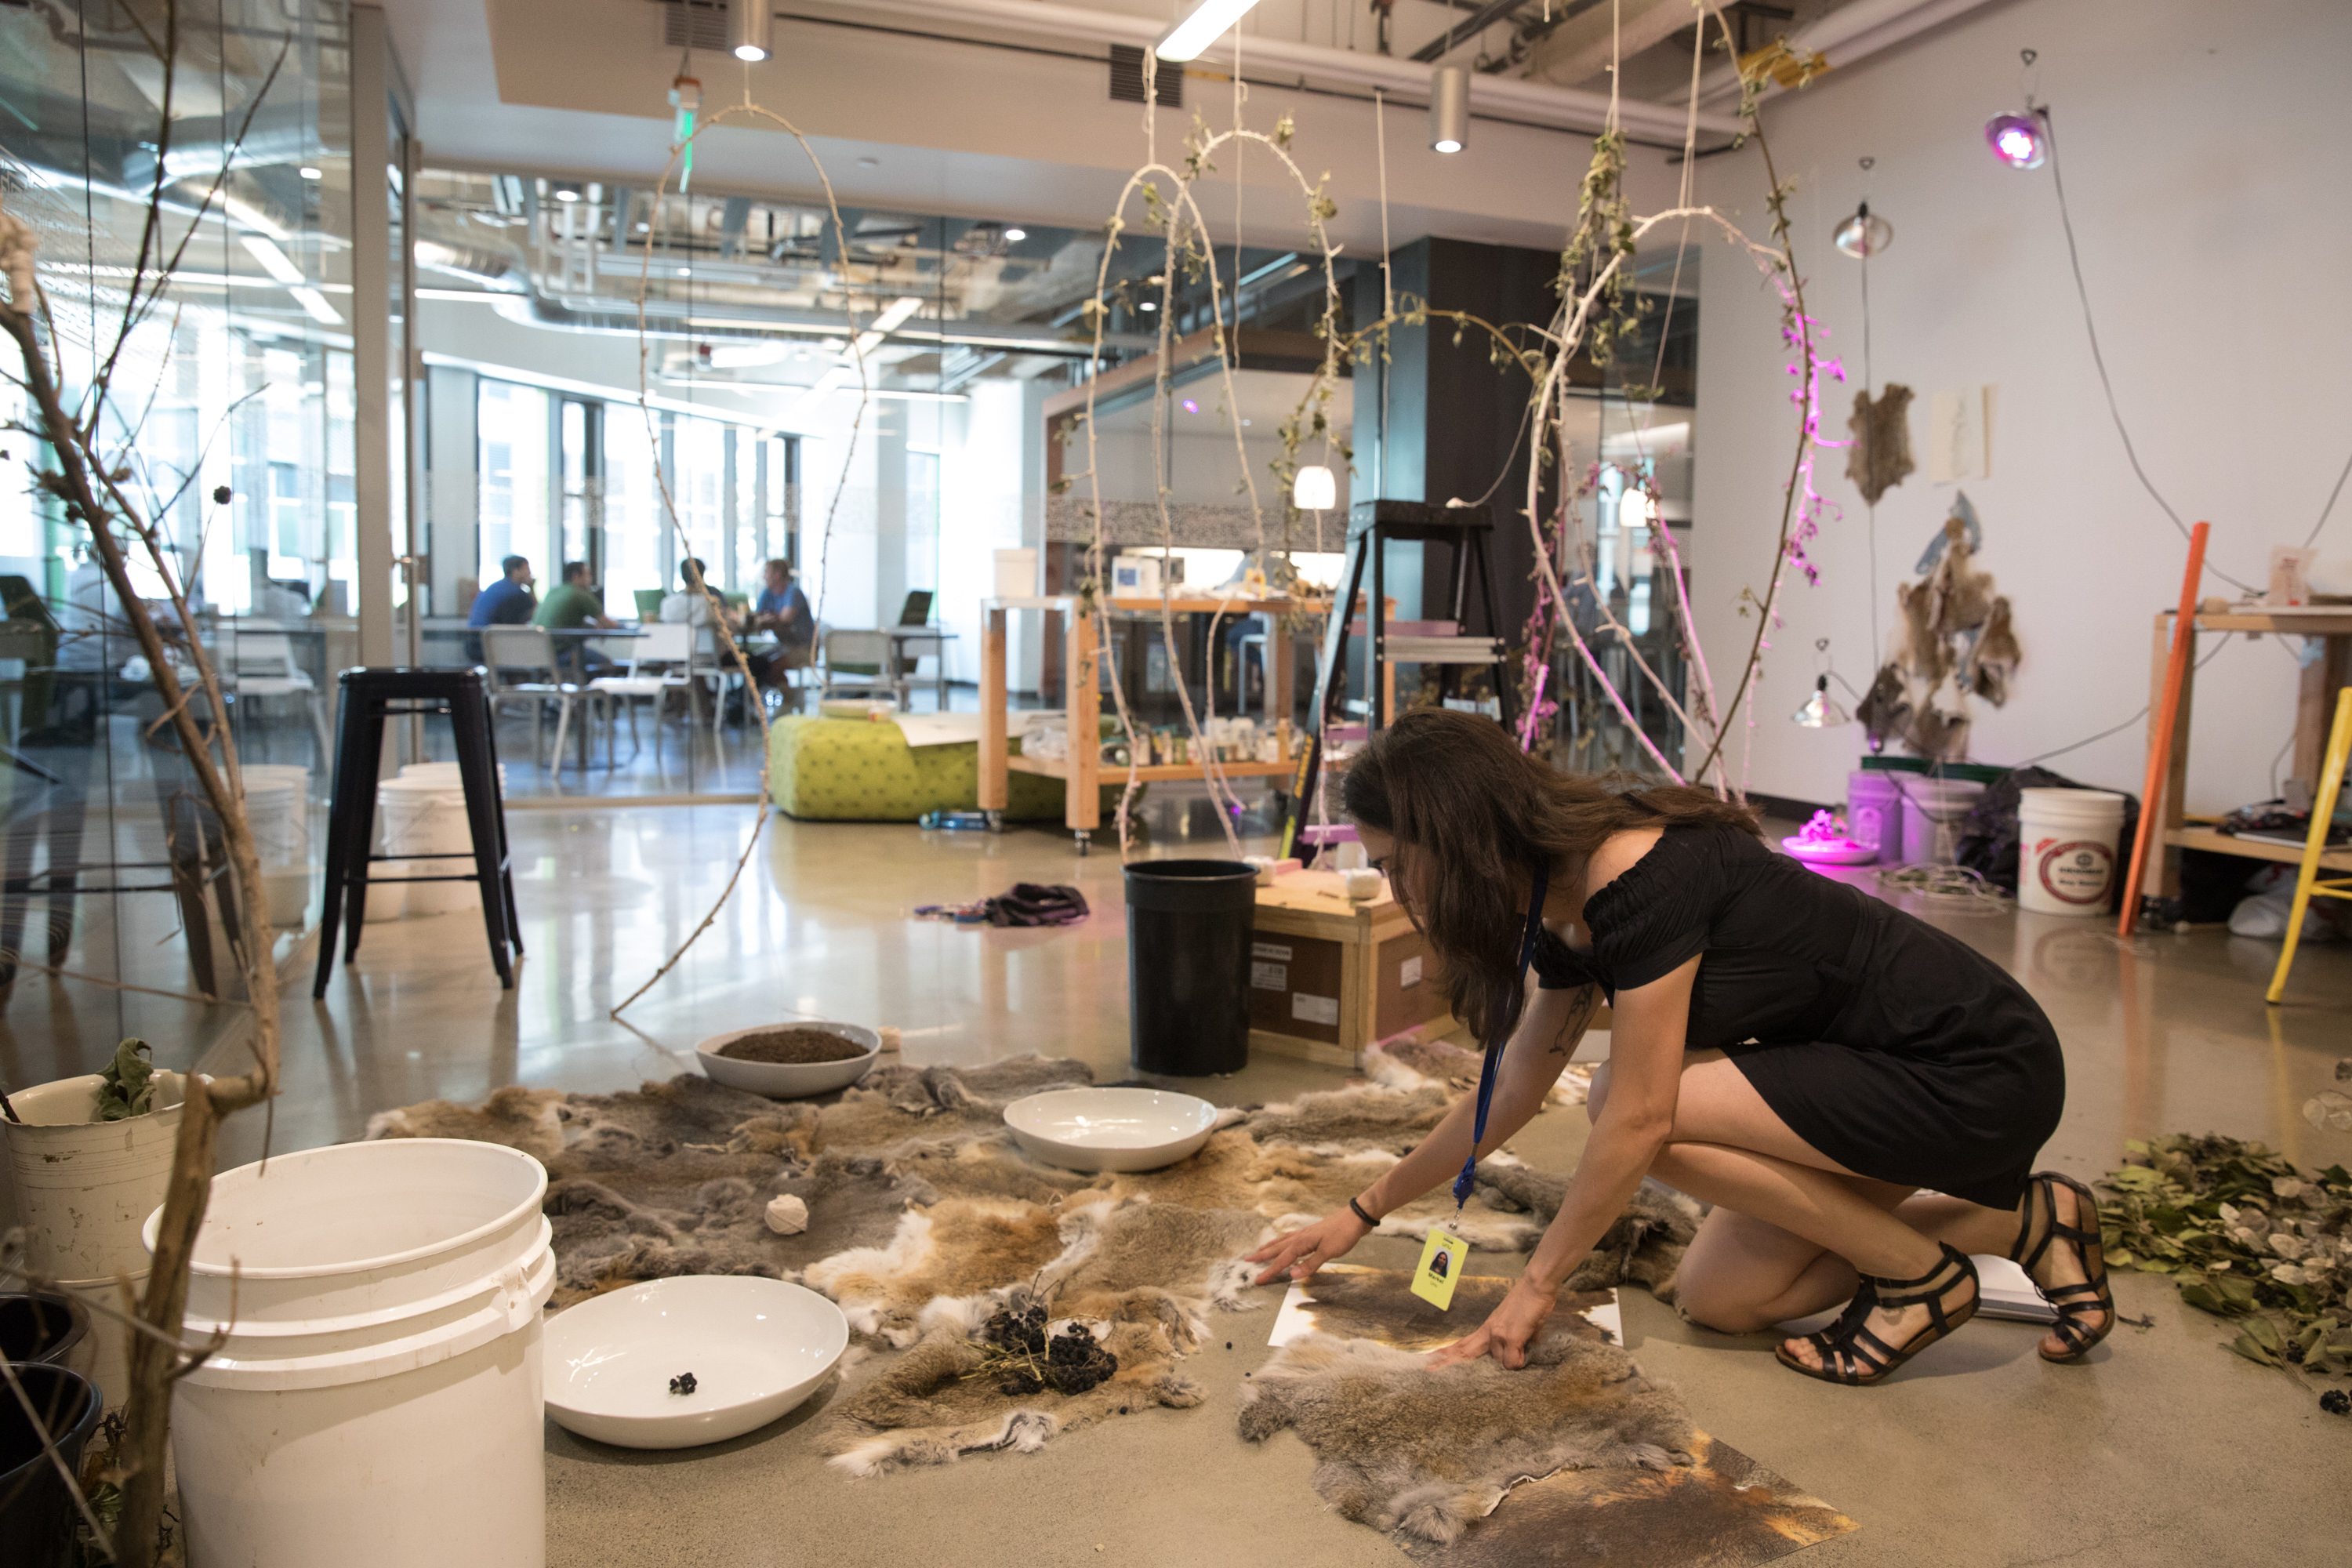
(1426, 1452)
(923, 1410)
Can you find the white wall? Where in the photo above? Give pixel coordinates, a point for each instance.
(2204, 155)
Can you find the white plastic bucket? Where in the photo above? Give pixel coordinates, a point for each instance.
(2066, 844)
(423, 815)
(376, 1399)
(82, 1190)
(277, 809)
(1933, 810)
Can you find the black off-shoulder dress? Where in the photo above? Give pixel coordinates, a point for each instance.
(1899, 1052)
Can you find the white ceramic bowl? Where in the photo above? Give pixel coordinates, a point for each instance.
(789, 1080)
(1110, 1128)
(756, 1347)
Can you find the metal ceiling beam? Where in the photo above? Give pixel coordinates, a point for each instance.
(1469, 27)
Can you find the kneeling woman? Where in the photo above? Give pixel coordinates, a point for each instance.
(1802, 1056)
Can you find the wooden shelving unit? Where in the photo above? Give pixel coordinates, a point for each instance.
(1083, 772)
(2315, 702)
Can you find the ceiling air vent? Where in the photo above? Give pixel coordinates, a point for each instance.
(1126, 76)
(694, 25)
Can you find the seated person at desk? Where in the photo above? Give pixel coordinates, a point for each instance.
(573, 605)
(690, 605)
(508, 602)
(783, 609)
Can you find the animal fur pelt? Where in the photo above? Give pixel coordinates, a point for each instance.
(1350, 1302)
(1424, 1452)
(1881, 454)
(926, 1409)
(1643, 1246)
(1722, 1510)
(1422, 1064)
(1993, 660)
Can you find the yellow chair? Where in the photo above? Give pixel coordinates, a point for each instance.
(2307, 880)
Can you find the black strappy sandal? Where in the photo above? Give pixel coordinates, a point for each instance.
(1851, 1354)
(2072, 1302)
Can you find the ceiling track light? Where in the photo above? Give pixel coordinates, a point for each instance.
(1449, 109)
(747, 29)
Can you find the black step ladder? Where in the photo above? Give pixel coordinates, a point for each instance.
(1372, 524)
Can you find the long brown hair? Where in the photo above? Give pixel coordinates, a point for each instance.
(1471, 814)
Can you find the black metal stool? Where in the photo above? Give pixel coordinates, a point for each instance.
(369, 696)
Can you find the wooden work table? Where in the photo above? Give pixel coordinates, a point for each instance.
(2315, 702)
(1083, 772)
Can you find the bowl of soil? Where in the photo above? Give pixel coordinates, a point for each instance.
(699, 1358)
(789, 1061)
(1110, 1128)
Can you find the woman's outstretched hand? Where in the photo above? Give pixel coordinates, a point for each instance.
(1302, 1252)
(1507, 1330)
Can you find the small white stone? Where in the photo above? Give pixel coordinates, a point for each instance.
(787, 1216)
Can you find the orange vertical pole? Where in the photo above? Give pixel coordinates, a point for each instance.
(2160, 736)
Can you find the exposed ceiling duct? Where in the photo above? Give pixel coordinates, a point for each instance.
(1851, 33)
(1535, 103)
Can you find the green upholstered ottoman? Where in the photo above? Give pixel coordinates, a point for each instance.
(863, 769)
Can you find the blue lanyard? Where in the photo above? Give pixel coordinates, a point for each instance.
(1467, 1179)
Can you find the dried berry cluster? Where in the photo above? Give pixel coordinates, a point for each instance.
(1024, 1361)
(1021, 1331)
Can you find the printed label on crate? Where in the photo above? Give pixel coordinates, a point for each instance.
(1277, 951)
(1270, 976)
(1409, 972)
(1314, 1009)
(2076, 871)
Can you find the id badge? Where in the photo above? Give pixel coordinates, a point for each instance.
(1441, 1268)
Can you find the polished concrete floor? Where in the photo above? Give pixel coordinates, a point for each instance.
(2165, 1449)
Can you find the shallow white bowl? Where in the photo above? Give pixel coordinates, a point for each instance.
(789, 1080)
(756, 1347)
(1110, 1128)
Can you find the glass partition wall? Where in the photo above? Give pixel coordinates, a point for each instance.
(202, 270)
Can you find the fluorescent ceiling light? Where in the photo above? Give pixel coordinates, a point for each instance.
(822, 388)
(311, 301)
(247, 214)
(895, 314)
(1015, 236)
(274, 261)
(1208, 23)
(736, 356)
(310, 173)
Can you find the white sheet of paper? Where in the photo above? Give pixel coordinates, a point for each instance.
(1956, 435)
(1292, 1320)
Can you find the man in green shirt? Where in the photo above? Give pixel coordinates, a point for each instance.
(573, 605)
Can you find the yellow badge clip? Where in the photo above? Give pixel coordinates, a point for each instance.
(1441, 1268)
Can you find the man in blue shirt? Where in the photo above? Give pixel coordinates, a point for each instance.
(508, 602)
(783, 609)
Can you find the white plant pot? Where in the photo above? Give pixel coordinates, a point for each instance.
(83, 1188)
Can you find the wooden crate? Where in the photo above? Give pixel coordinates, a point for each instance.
(1329, 976)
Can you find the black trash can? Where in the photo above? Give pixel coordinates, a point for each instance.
(1188, 965)
(36, 1513)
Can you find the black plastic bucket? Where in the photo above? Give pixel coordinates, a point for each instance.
(1188, 965)
(37, 1513)
(42, 1326)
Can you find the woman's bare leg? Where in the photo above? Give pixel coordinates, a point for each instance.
(1729, 1147)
